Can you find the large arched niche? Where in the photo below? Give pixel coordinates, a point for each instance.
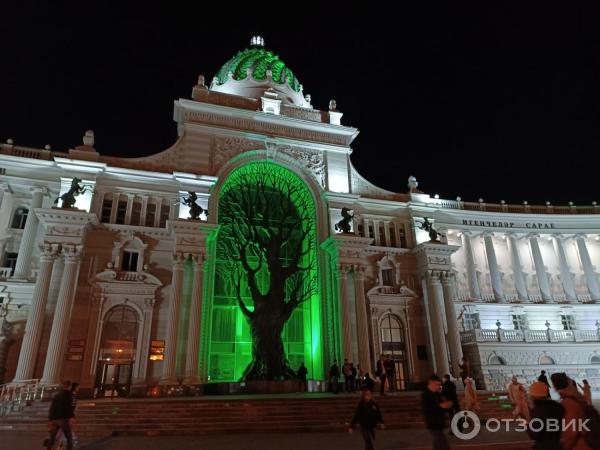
(311, 334)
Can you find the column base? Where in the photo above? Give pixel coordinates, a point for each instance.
(168, 381)
(191, 380)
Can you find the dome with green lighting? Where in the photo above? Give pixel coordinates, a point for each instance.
(255, 70)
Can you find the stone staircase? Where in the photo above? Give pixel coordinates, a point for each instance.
(224, 415)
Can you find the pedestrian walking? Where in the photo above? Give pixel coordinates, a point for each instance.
(544, 379)
(380, 373)
(302, 373)
(368, 416)
(449, 393)
(586, 390)
(465, 369)
(435, 411)
(334, 375)
(60, 415)
(576, 411)
(353, 381)
(542, 410)
(347, 372)
(390, 373)
(471, 400)
(518, 397)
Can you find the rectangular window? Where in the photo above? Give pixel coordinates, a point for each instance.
(10, 260)
(121, 211)
(361, 229)
(106, 210)
(520, 322)
(371, 231)
(471, 321)
(164, 215)
(130, 261)
(382, 239)
(402, 236)
(568, 321)
(150, 214)
(136, 213)
(387, 276)
(392, 229)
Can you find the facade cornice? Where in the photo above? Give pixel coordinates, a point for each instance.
(189, 111)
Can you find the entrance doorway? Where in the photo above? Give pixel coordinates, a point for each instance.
(115, 380)
(393, 345)
(117, 352)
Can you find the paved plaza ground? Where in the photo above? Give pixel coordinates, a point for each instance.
(386, 440)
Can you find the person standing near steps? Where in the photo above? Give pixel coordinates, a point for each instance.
(380, 373)
(368, 416)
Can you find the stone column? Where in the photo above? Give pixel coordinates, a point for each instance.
(62, 316)
(23, 266)
(157, 212)
(130, 200)
(517, 268)
(590, 275)
(540, 269)
(436, 299)
(453, 335)
(114, 207)
(144, 210)
(565, 272)
(474, 290)
(35, 318)
(345, 308)
(169, 375)
(495, 275)
(362, 322)
(193, 343)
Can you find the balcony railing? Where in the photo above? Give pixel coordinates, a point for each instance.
(5, 272)
(530, 336)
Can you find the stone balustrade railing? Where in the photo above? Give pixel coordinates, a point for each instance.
(5, 272)
(529, 336)
(521, 208)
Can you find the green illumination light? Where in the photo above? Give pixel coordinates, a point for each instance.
(258, 60)
(229, 335)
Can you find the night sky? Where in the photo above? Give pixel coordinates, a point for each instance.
(492, 102)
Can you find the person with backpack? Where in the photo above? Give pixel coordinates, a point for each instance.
(577, 411)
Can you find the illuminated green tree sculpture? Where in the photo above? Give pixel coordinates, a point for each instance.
(267, 240)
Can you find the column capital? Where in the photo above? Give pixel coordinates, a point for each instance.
(198, 259)
(178, 259)
(49, 251)
(72, 252)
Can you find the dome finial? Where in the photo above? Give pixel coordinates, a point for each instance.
(257, 41)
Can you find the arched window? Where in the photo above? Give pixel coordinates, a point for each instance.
(394, 347)
(392, 334)
(595, 359)
(19, 218)
(496, 360)
(119, 335)
(546, 360)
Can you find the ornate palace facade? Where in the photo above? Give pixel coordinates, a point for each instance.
(125, 289)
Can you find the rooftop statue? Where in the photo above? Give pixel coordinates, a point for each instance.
(426, 225)
(69, 197)
(344, 224)
(195, 209)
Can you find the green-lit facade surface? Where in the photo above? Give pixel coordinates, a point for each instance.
(229, 332)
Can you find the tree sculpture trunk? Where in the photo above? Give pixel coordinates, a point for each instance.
(268, 224)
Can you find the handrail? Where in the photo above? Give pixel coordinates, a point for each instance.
(15, 396)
